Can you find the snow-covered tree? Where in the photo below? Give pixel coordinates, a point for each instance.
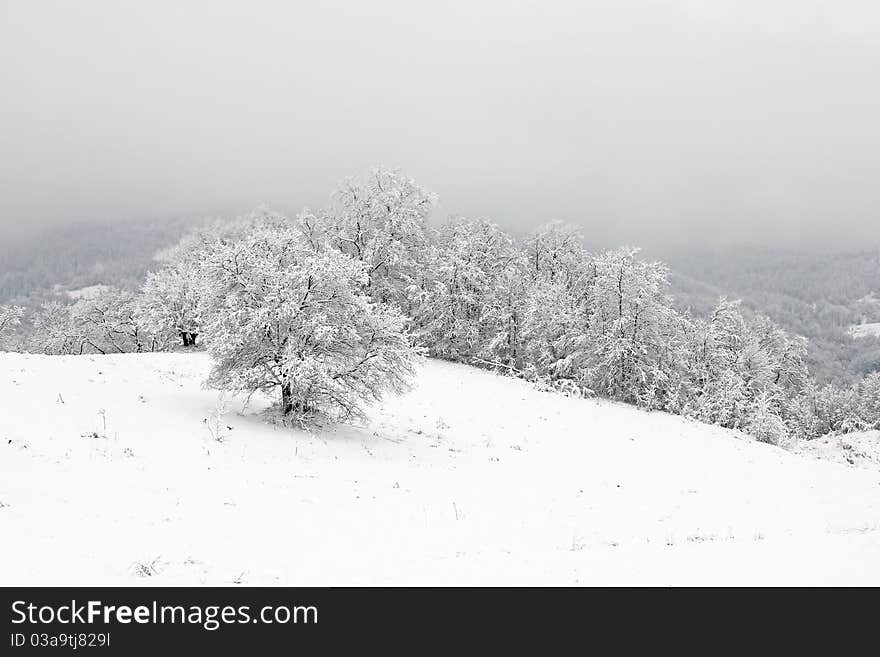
(455, 312)
(380, 220)
(169, 304)
(504, 314)
(10, 318)
(55, 331)
(555, 317)
(555, 253)
(748, 374)
(283, 316)
(721, 392)
(102, 323)
(632, 328)
(108, 323)
(869, 400)
(763, 420)
(555, 330)
(833, 409)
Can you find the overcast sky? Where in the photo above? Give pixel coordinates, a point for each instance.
(644, 122)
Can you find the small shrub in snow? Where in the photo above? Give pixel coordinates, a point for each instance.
(146, 569)
(215, 424)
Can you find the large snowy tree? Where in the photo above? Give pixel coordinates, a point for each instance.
(283, 316)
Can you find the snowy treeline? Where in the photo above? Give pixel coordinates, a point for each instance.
(331, 308)
(10, 318)
(106, 322)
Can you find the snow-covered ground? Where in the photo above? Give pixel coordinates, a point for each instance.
(89, 292)
(861, 449)
(865, 330)
(109, 475)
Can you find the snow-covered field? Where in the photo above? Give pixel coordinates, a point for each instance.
(109, 475)
(861, 449)
(865, 330)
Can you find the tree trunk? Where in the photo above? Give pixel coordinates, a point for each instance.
(286, 399)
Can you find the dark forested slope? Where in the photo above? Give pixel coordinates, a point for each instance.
(115, 253)
(816, 295)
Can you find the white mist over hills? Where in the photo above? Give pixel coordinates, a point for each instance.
(643, 122)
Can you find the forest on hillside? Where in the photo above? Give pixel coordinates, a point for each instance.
(815, 295)
(332, 308)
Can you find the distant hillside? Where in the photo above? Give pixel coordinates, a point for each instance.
(115, 253)
(818, 296)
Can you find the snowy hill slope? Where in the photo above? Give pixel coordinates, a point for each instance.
(109, 475)
(861, 448)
